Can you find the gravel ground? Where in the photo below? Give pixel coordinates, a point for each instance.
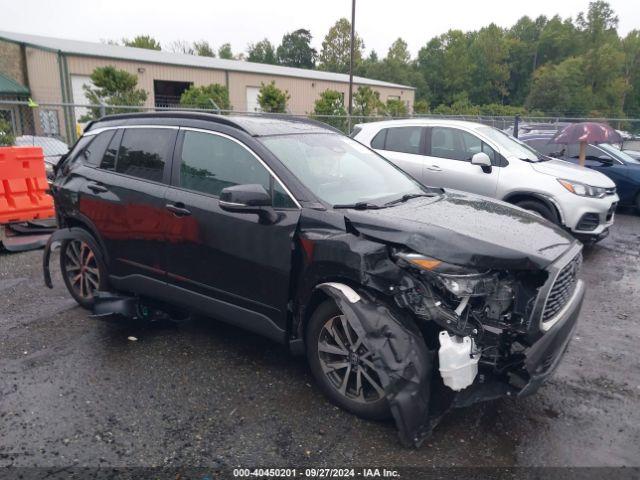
(76, 391)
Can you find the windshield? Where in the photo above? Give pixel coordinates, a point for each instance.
(511, 145)
(617, 153)
(340, 170)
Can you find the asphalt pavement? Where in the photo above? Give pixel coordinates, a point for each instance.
(78, 391)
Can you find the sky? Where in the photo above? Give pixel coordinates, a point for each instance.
(240, 22)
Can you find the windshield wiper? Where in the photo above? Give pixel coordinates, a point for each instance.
(408, 196)
(358, 206)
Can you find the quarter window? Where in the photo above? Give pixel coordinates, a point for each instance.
(143, 152)
(210, 163)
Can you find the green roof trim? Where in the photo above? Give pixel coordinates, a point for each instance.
(11, 87)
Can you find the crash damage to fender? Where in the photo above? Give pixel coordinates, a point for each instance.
(451, 319)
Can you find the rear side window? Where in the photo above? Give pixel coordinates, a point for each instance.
(404, 139)
(144, 151)
(210, 163)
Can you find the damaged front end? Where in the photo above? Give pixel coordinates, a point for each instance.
(446, 336)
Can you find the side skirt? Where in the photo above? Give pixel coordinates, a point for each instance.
(218, 309)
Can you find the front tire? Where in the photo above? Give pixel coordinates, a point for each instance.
(342, 364)
(82, 271)
(540, 209)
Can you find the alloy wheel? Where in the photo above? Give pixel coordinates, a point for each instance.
(81, 268)
(347, 362)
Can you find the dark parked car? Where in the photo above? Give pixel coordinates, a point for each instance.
(406, 300)
(619, 166)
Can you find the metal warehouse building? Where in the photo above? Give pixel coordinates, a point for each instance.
(53, 71)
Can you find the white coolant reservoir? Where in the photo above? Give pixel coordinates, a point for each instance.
(458, 360)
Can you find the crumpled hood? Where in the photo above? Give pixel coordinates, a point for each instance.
(466, 230)
(570, 171)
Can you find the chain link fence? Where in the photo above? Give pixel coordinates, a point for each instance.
(55, 127)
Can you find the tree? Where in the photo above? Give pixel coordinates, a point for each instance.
(225, 51)
(181, 46)
(112, 86)
(295, 50)
(631, 73)
(143, 41)
(490, 71)
(396, 108)
(272, 99)
(366, 102)
(202, 48)
(336, 47)
(445, 65)
(201, 97)
(262, 52)
(6, 134)
(420, 107)
(599, 24)
(561, 89)
(329, 108)
(399, 53)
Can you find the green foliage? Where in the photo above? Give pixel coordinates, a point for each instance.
(200, 97)
(112, 86)
(396, 108)
(366, 102)
(225, 51)
(420, 107)
(143, 41)
(272, 99)
(331, 103)
(489, 71)
(6, 135)
(262, 52)
(336, 48)
(295, 50)
(202, 48)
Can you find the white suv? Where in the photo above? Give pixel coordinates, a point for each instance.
(484, 160)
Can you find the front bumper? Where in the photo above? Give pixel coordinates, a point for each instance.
(588, 216)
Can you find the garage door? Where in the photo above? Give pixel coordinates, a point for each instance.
(252, 99)
(77, 82)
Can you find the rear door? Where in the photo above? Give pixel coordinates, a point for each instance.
(448, 163)
(231, 258)
(123, 198)
(404, 146)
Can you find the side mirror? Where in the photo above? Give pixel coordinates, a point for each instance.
(482, 159)
(605, 160)
(251, 198)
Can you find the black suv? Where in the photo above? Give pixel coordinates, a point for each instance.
(407, 300)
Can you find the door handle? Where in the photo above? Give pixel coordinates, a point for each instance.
(97, 187)
(178, 209)
(433, 168)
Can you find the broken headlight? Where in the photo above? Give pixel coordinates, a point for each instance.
(460, 281)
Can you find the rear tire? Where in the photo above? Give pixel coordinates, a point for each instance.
(82, 271)
(540, 209)
(335, 354)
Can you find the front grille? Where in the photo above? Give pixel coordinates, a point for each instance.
(589, 221)
(562, 288)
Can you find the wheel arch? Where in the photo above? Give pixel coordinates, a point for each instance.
(519, 196)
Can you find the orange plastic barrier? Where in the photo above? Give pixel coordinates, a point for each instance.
(23, 184)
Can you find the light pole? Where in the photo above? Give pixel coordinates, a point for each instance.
(353, 40)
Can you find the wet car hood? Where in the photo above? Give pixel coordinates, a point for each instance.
(569, 171)
(466, 230)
